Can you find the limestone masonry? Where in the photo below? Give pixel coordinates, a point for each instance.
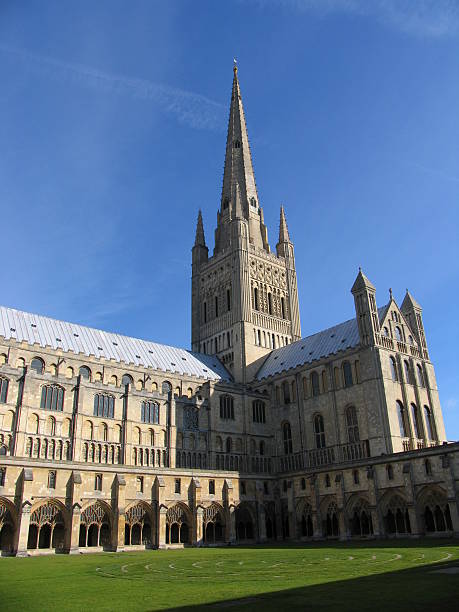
(115, 443)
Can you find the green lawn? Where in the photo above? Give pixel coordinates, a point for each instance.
(368, 576)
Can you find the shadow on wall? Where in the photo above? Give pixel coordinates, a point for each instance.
(415, 589)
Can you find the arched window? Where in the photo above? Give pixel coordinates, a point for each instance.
(303, 484)
(38, 365)
(327, 480)
(286, 392)
(255, 298)
(401, 419)
(319, 431)
(204, 307)
(228, 445)
(226, 407)
(127, 380)
(324, 381)
(51, 426)
(416, 424)
(386, 332)
(216, 306)
(149, 412)
(104, 405)
(315, 388)
(355, 476)
(283, 307)
(3, 390)
(390, 472)
(421, 382)
(347, 374)
(398, 333)
(104, 432)
(270, 304)
(408, 376)
(258, 411)
(410, 339)
(429, 423)
(85, 373)
(237, 144)
(287, 435)
(393, 368)
(352, 424)
(262, 447)
(428, 467)
(52, 398)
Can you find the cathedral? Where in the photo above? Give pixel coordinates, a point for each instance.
(256, 434)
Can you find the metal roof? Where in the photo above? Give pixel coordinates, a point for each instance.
(46, 332)
(328, 342)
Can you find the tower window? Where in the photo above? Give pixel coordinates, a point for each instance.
(177, 485)
(216, 306)
(228, 299)
(283, 307)
(237, 144)
(52, 480)
(287, 436)
(205, 312)
(270, 304)
(319, 431)
(255, 299)
(226, 407)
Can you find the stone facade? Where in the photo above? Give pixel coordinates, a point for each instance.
(336, 435)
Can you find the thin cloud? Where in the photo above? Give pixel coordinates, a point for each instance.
(190, 108)
(423, 18)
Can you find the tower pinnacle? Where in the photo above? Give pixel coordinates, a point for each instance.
(283, 229)
(200, 239)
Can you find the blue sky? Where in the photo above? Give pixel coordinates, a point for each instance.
(112, 135)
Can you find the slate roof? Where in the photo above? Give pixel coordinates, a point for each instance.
(46, 332)
(328, 342)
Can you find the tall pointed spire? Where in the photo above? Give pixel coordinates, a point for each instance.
(238, 159)
(283, 229)
(200, 239)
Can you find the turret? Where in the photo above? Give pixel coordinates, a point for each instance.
(412, 312)
(366, 310)
(284, 249)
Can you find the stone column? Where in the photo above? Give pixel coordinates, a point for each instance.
(412, 508)
(162, 527)
(198, 527)
(23, 529)
(119, 519)
(74, 544)
(261, 517)
(231, 527)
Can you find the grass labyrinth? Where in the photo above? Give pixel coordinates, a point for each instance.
(368, 576)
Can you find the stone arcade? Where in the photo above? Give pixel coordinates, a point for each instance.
(115, 443)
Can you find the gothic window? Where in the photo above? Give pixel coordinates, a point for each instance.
(38, 365)
(347, 373)
(104, 432)
(237, 144)
(286, 392)
(420, 376)
(270, 304)
(98, 482)
(149, 412)
(190, 417)
(51, 426)
(393, 369)
(415, 419)
(408, 377)
(85, 373)
(52, 398)
(258, 411)
(166, 387)
(287, 434)
(319, 431)
(303, 484)
(428, 467)
(255, 299)
(104, 405)
(52, 480)
(205, 312)
(410, 339)
(352, 424)
(327, 481)
(386, 332)
(283, 307)
(211, 487)
(3, 390)
(2, 476)
(226, 407)
(262, 447)
(315, 389)
(429, 422)
(228, 445)
(324, 381)
(127, 380)
(390, 472)
(401, 419)
(355, 476)
(398, 333)
(216, 306)
(228, 301)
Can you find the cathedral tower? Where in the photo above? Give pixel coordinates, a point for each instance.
(244, 297)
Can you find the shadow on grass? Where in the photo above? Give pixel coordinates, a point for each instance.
(429, 587)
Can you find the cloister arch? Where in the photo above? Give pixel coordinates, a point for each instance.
(245, 522)
(359, 516)
(8, 522)
(214, 524)
(330, 517)
(434, 509)
(396, 517)
(95, 525)
(48, 523)
(304, 519)
(139, 524)
(178, 524)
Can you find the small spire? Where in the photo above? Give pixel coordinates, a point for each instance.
(362, 282)
(235, 66)
(200, 239)
(390, 293)
(283, 229)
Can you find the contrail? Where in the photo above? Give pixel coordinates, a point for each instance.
(189, 108)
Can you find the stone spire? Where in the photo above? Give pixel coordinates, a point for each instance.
(200, 239)
(283, 229)
(238, 159)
